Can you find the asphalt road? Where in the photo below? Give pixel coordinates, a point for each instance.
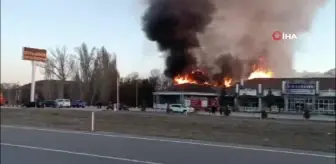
(31, 146)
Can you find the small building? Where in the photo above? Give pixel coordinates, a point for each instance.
(292, 94)
(197, 96)
(289, 95)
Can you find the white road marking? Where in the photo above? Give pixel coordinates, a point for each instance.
(78, 153)
(172, 141)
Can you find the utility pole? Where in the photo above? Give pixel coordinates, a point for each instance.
(117, 104)
(136, 93)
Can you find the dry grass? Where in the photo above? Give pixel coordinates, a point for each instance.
(308, 135)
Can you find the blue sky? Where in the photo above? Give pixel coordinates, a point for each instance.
(117, 26)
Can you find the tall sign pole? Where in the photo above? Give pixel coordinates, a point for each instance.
(32, 87)
(34, 55)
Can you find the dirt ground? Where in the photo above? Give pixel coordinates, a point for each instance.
(306, 135)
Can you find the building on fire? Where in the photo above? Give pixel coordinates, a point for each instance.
(198, 96)
(276, 94)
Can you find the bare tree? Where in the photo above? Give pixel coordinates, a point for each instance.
(48, 76)
(61, 65)
(75, 87)
(154, 76)
(155, 73)
(162, 82)
(95, 79)
(132, 77)
(107, 74)
(86, 62)
(10, 92)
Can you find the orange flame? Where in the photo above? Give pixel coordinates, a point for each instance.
(184, 80)
(187, 79)
(227, 82)
(261, 73)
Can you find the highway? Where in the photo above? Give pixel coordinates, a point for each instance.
(31, 146)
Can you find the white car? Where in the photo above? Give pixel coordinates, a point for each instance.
(60, 103)
(181, 108)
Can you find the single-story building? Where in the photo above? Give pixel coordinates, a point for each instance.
(197, 96)
(286, 94)
(291, 94)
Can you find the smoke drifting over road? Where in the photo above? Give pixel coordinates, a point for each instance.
(240, 29)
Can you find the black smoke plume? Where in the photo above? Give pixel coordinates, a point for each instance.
(174, 25)
(228, 67)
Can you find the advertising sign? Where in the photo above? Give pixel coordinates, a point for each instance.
(300, 88)
(34, 54)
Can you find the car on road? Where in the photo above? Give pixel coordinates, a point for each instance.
(121, 106)
(2, 99)
(49, 103)
(179, 108)
(62, 103)
(78, 104)
(37, 104)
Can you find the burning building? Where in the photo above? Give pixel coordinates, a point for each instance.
(218, 43)
(288, 95)
(195, 95)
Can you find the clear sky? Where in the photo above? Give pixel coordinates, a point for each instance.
(116, 25)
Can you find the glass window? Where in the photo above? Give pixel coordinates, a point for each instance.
(321, 105)
(331, 101)
(326, 101)
(325, 106)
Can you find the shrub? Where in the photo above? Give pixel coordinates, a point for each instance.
(263, 114)
(306, 114)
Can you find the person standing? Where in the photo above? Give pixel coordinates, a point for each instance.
(167, 108)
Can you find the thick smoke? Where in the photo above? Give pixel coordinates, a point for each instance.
(174, 25)
(244, 28)
(241, 30)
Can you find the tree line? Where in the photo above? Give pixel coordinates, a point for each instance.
(93, 74)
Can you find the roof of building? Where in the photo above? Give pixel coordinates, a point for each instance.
(192, 88)
(326, 83)
(276, 83)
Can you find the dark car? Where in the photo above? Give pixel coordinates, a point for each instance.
(49, 103)
(78, 104)
(37, 104)
(121, 106)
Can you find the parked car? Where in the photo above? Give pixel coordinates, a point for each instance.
(121, 106)
(179, 108)
(99, 105)
(37, 104)
(62, 103)
(49, 103)
(2, 99)
(78, 104)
